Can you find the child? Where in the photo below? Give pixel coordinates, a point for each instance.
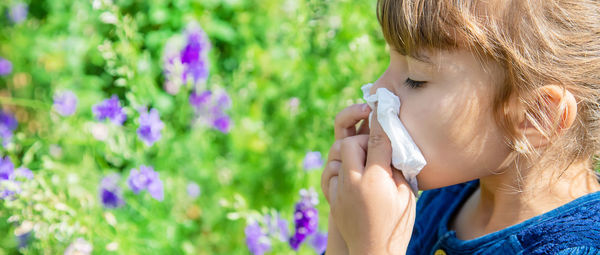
(503, 100)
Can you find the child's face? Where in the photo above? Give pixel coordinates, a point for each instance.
(450, 117)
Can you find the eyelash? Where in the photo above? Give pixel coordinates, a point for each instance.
(414, 84)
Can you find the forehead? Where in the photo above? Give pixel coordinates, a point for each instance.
(412, 25)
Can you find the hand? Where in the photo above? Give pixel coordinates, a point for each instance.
(373, 207)
(345, 126)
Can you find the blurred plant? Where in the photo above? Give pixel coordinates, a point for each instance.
(193, 190)
(18, 12)
(79, 247)
(65, 103)
(8, 124)
(146, 179)
(150, 126)
(319, 242)
(210, 109)
(256, 238)
(226, 110)
(312, 161)
(186, 59)
(110, 109)
(5, 67)
(306, 217)
(110, 193)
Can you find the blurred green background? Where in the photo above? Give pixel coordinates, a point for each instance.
(288, 66)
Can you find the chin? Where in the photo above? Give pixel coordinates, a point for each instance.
(429, 180)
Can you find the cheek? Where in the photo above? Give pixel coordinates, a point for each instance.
(457, 136)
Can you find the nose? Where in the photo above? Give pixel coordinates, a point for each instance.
(377, 84)
(383, 82)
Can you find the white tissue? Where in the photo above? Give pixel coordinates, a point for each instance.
(406, 156)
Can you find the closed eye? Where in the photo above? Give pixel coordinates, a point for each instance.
(414, 84)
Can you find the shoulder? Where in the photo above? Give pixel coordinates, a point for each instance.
(569, 229)
(579, 250)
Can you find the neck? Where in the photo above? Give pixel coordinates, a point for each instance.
(514, 196)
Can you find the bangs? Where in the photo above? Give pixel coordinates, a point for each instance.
(411, 25)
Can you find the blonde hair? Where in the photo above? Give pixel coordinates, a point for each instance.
(537, 42)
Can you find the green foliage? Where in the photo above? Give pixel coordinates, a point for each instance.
(264, 53)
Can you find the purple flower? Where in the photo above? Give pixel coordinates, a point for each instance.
(319, 242)
(222, 123)
(150, 126)
(277, 227)
(256, 239)
(111, 109)
(312, 160)
(5, 67)
(186, 59)
(23, 239)
(8, 124)
(210, 109)
(110, 193)
(6, 168)
(24, 172)
(224, 101)
(305, 217)
(65, 103)
(9, 186)
(172, 67)
(18, 13)
(200, 100)
(194, 55)
(193, 190)
(156, 190)
(146, 178)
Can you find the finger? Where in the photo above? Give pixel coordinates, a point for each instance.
(334, 152)
(379, 147)
(332, 189)
(353, 153)
(331, 171)
(332, 168)
(345, 121)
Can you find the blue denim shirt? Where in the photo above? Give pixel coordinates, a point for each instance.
(573, 228)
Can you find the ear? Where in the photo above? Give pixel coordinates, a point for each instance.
(555, 104)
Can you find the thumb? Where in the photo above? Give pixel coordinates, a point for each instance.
(379, 152)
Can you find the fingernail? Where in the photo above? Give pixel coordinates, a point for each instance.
(365, 108)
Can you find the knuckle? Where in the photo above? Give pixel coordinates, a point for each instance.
(345, 143)
(336, 146)
(376, 139)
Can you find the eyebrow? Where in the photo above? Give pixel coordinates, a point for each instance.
(422, 58)
(419, 57)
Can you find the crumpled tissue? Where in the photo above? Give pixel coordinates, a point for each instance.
(406, 156)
